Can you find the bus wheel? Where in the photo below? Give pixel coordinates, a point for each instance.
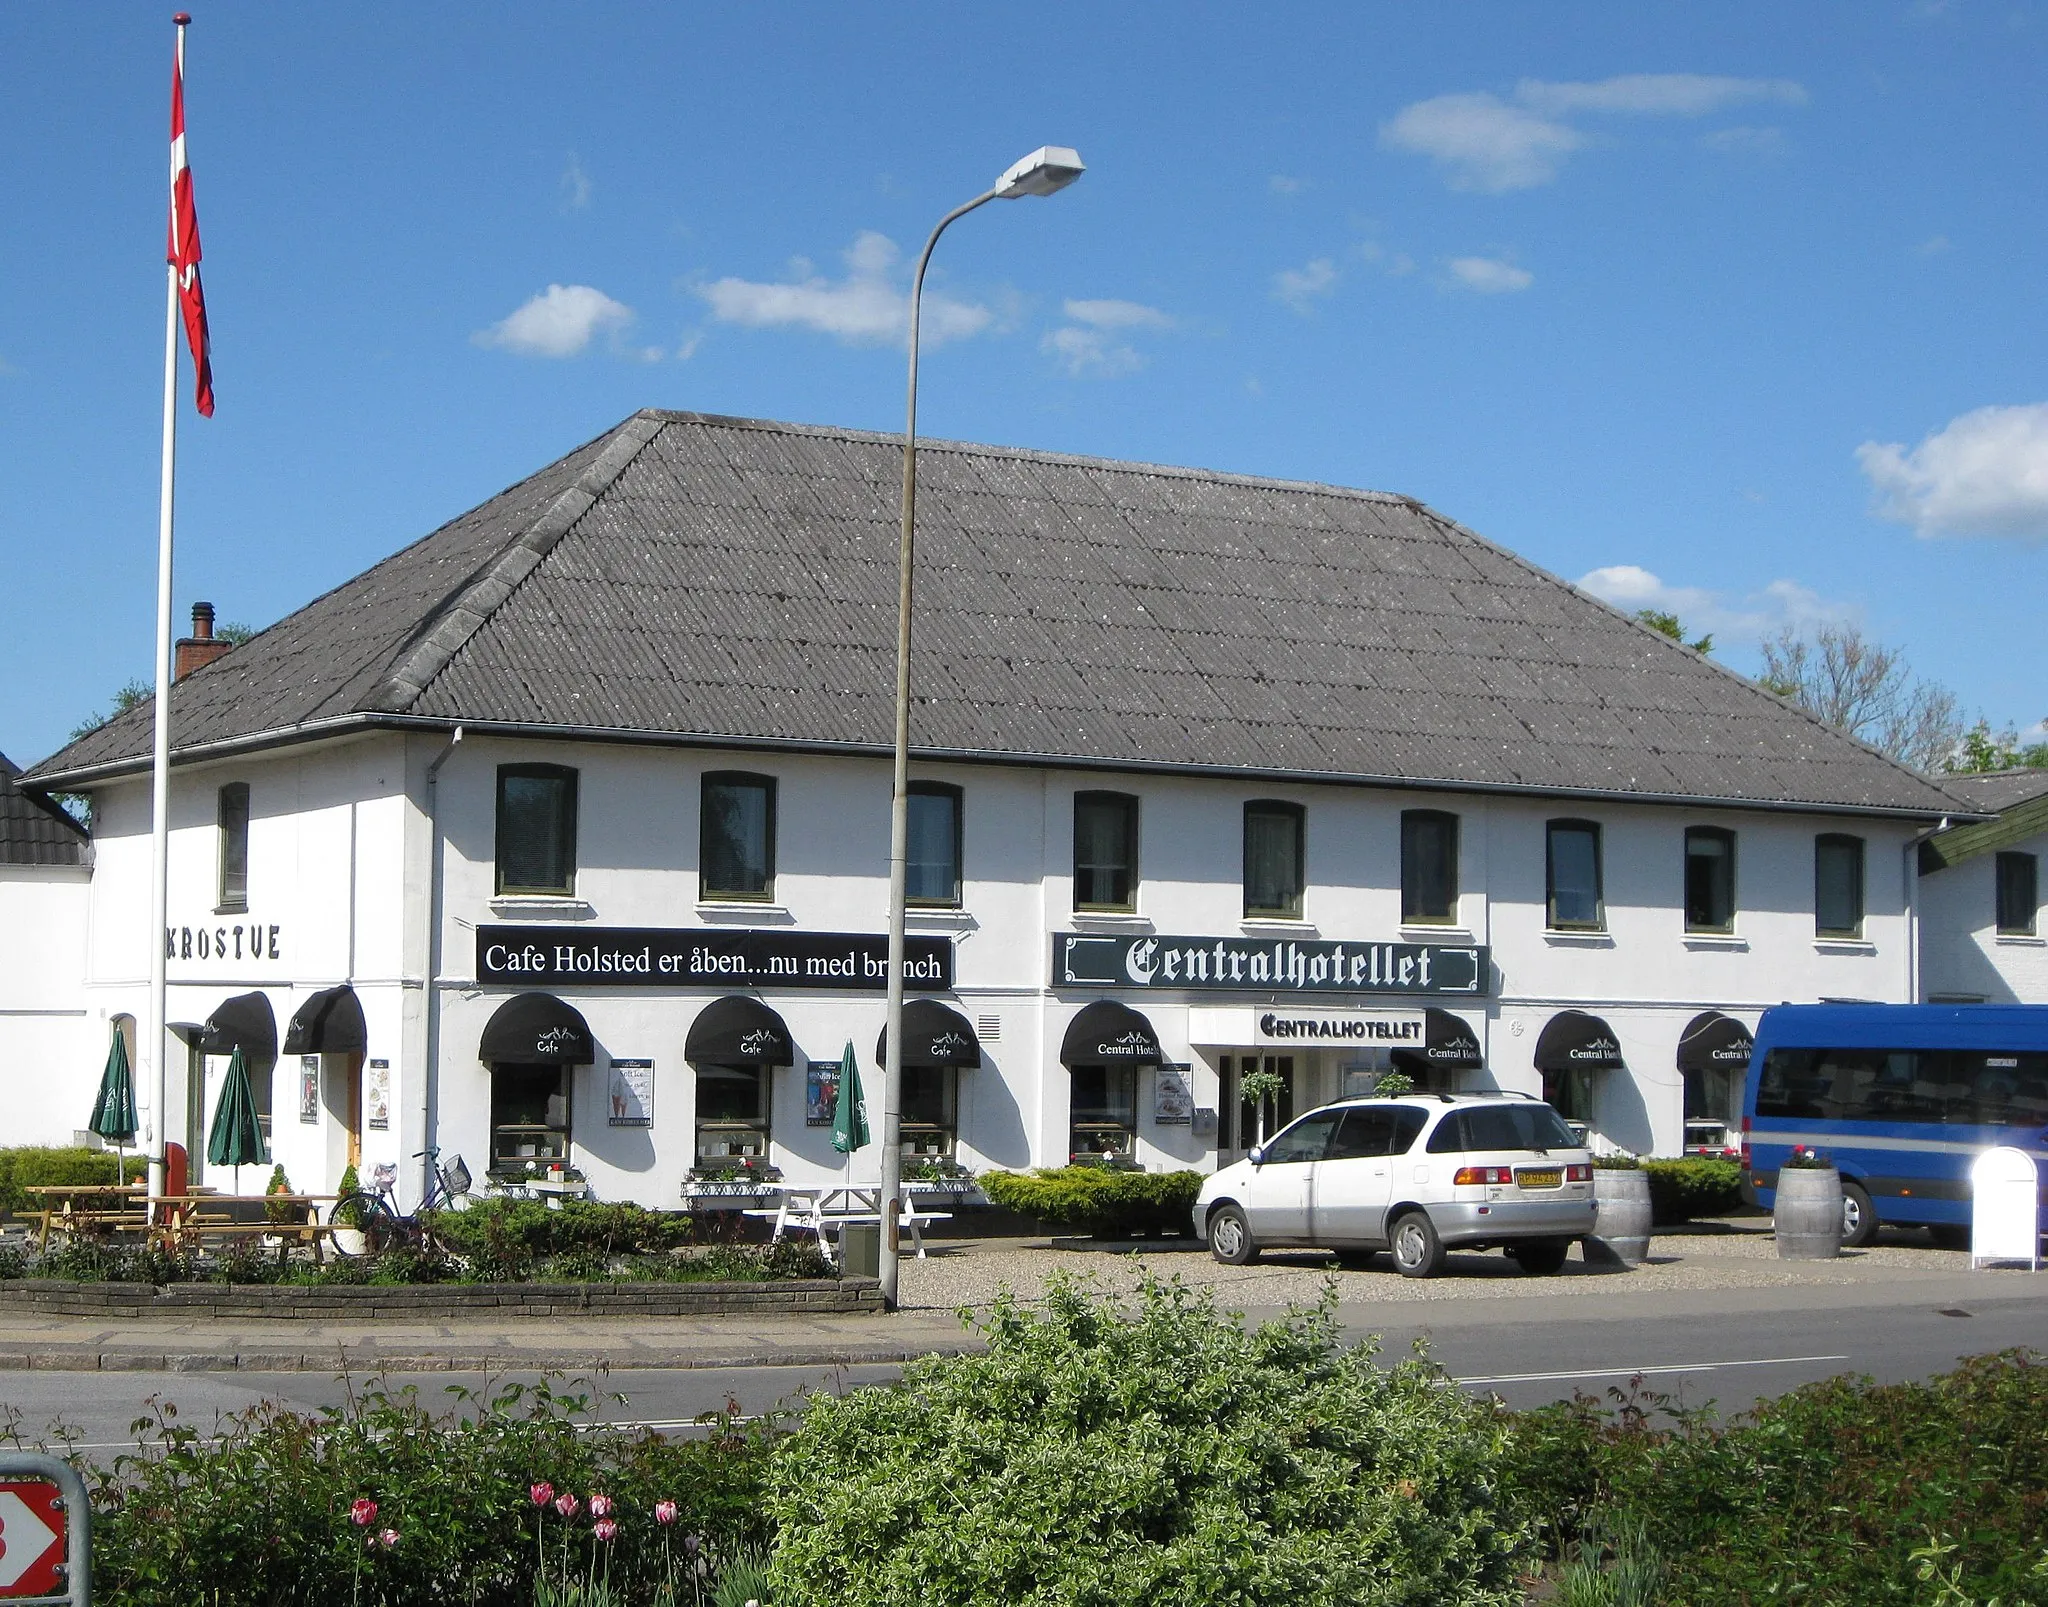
(1859, 1216)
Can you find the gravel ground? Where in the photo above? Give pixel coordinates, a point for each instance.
(1707, 1255)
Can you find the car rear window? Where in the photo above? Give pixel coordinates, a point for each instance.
(1493, 1127)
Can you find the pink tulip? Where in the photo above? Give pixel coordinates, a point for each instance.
(363, 1512)
(664, 1512)
(604, 1528)
(542, 1494)
(388, 1539)
(600, 1506)
(566, 1504)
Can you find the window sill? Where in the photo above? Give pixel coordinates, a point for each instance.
(1578, 940)
(1436, 934)
(542, 907)
(231, 909)
(1110, 921)
(2020, 940)
(940, 919)
(1843, 945)
(1277, 926)
(738, 910)
(1728, 942)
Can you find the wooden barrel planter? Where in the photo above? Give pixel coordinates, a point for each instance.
(1621, 1216)
(1807, 1213)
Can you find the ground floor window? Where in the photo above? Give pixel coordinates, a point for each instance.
(529, 1118)
(929, 1095)
(1238, 1116)
(1105, 1111)
(1714, 1094)
(732, 1115)
(1570, 1093)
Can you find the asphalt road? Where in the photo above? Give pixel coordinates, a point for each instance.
(1527, 1352)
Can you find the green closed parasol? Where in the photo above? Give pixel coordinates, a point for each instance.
(849, 1112)
(113, 1113)
(236, 1138)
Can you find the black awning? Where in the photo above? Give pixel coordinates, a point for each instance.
(1714, 1042)
(1449, 1043)
(934, 1034)
(1109, 1034)
(536, 1029)
(245, 1022)
(1573, 1040)
(738, 1031)
(329, 1023)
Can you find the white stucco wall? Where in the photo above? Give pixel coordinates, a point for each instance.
(47, 1048)
(1961, 949)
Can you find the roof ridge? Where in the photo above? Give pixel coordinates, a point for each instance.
(445, 633)
(925, 443)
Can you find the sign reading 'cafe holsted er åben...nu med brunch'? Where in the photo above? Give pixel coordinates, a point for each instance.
(669, 957)
(1284, 965)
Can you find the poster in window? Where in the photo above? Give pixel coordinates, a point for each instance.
(309, 1089)
(1173, 1103)
(821, 1092)
(377, 1096)
(632, 1093)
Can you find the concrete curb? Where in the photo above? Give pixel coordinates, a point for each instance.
(84, 1359)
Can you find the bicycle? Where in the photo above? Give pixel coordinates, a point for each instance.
(374, 1212)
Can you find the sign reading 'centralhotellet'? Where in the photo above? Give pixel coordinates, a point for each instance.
(670, 956)
(1284, 965)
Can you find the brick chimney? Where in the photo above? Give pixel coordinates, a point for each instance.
(201, 647)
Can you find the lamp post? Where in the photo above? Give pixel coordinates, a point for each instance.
(1048, 169)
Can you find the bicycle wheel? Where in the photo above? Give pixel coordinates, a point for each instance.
(375, 1221)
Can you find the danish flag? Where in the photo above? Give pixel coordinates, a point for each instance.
(184, 247)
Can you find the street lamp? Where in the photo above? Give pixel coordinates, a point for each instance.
(1048, 169)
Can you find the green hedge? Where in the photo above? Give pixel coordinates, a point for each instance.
(70, 1164)
(1698, 1185)
(510, 1238)
(1107, 1203)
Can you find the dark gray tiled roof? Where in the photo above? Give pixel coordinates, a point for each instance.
(1996, 790)
(694, 576)
(33, 832)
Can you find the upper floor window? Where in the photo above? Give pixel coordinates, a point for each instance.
(2019, 894)
(736, 837)
(1572, 877)
(233, 815)
(1105, 851)
(1429, 868)
(1709, 879)
(536, 829)
(932, 866)
(1273, 859)
(1837, 885)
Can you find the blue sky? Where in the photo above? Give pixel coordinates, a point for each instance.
(1732, 308)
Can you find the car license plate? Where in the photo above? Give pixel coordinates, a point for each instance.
(1548, 1177)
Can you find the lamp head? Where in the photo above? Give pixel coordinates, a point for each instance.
(1049, 168)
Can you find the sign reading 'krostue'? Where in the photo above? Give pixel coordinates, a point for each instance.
(1286, 965)
(682, 957)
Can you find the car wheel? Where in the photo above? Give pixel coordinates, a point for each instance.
(1230, 1237)
(1859, 1216)
(1418, 1252)
(1542, 1258)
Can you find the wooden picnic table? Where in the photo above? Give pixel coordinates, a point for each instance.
(816, 1210)
(189, 1219)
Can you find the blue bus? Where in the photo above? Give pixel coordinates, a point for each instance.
(1902, 1098)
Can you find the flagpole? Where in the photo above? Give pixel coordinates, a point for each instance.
(160, 766)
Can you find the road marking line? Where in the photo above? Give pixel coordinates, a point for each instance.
(1646, 1372)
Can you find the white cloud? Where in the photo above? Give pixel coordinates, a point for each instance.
(866, 308)
(1281, 184)
(1745, 140)
(1093, 344)
(1746, 618)
(1482, 142)
(575, 185)
(1934, 245)
(1489, 276)
(1300, 288)
(559, 322)
(1984, 474)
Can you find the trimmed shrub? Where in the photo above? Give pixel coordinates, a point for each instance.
(1101, 1200)
(1697, 1185)
(1166, 1455)
(71, 1164)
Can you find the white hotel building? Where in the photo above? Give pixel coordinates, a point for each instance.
(562, 833)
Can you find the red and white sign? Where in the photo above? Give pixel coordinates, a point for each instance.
(33, 1541)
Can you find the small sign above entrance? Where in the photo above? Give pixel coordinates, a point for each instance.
(1265, 965)
(1305, 1029)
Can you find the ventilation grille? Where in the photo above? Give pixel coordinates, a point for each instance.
(989, 1029)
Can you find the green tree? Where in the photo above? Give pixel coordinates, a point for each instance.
(1984, 749)
(1666, 622)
